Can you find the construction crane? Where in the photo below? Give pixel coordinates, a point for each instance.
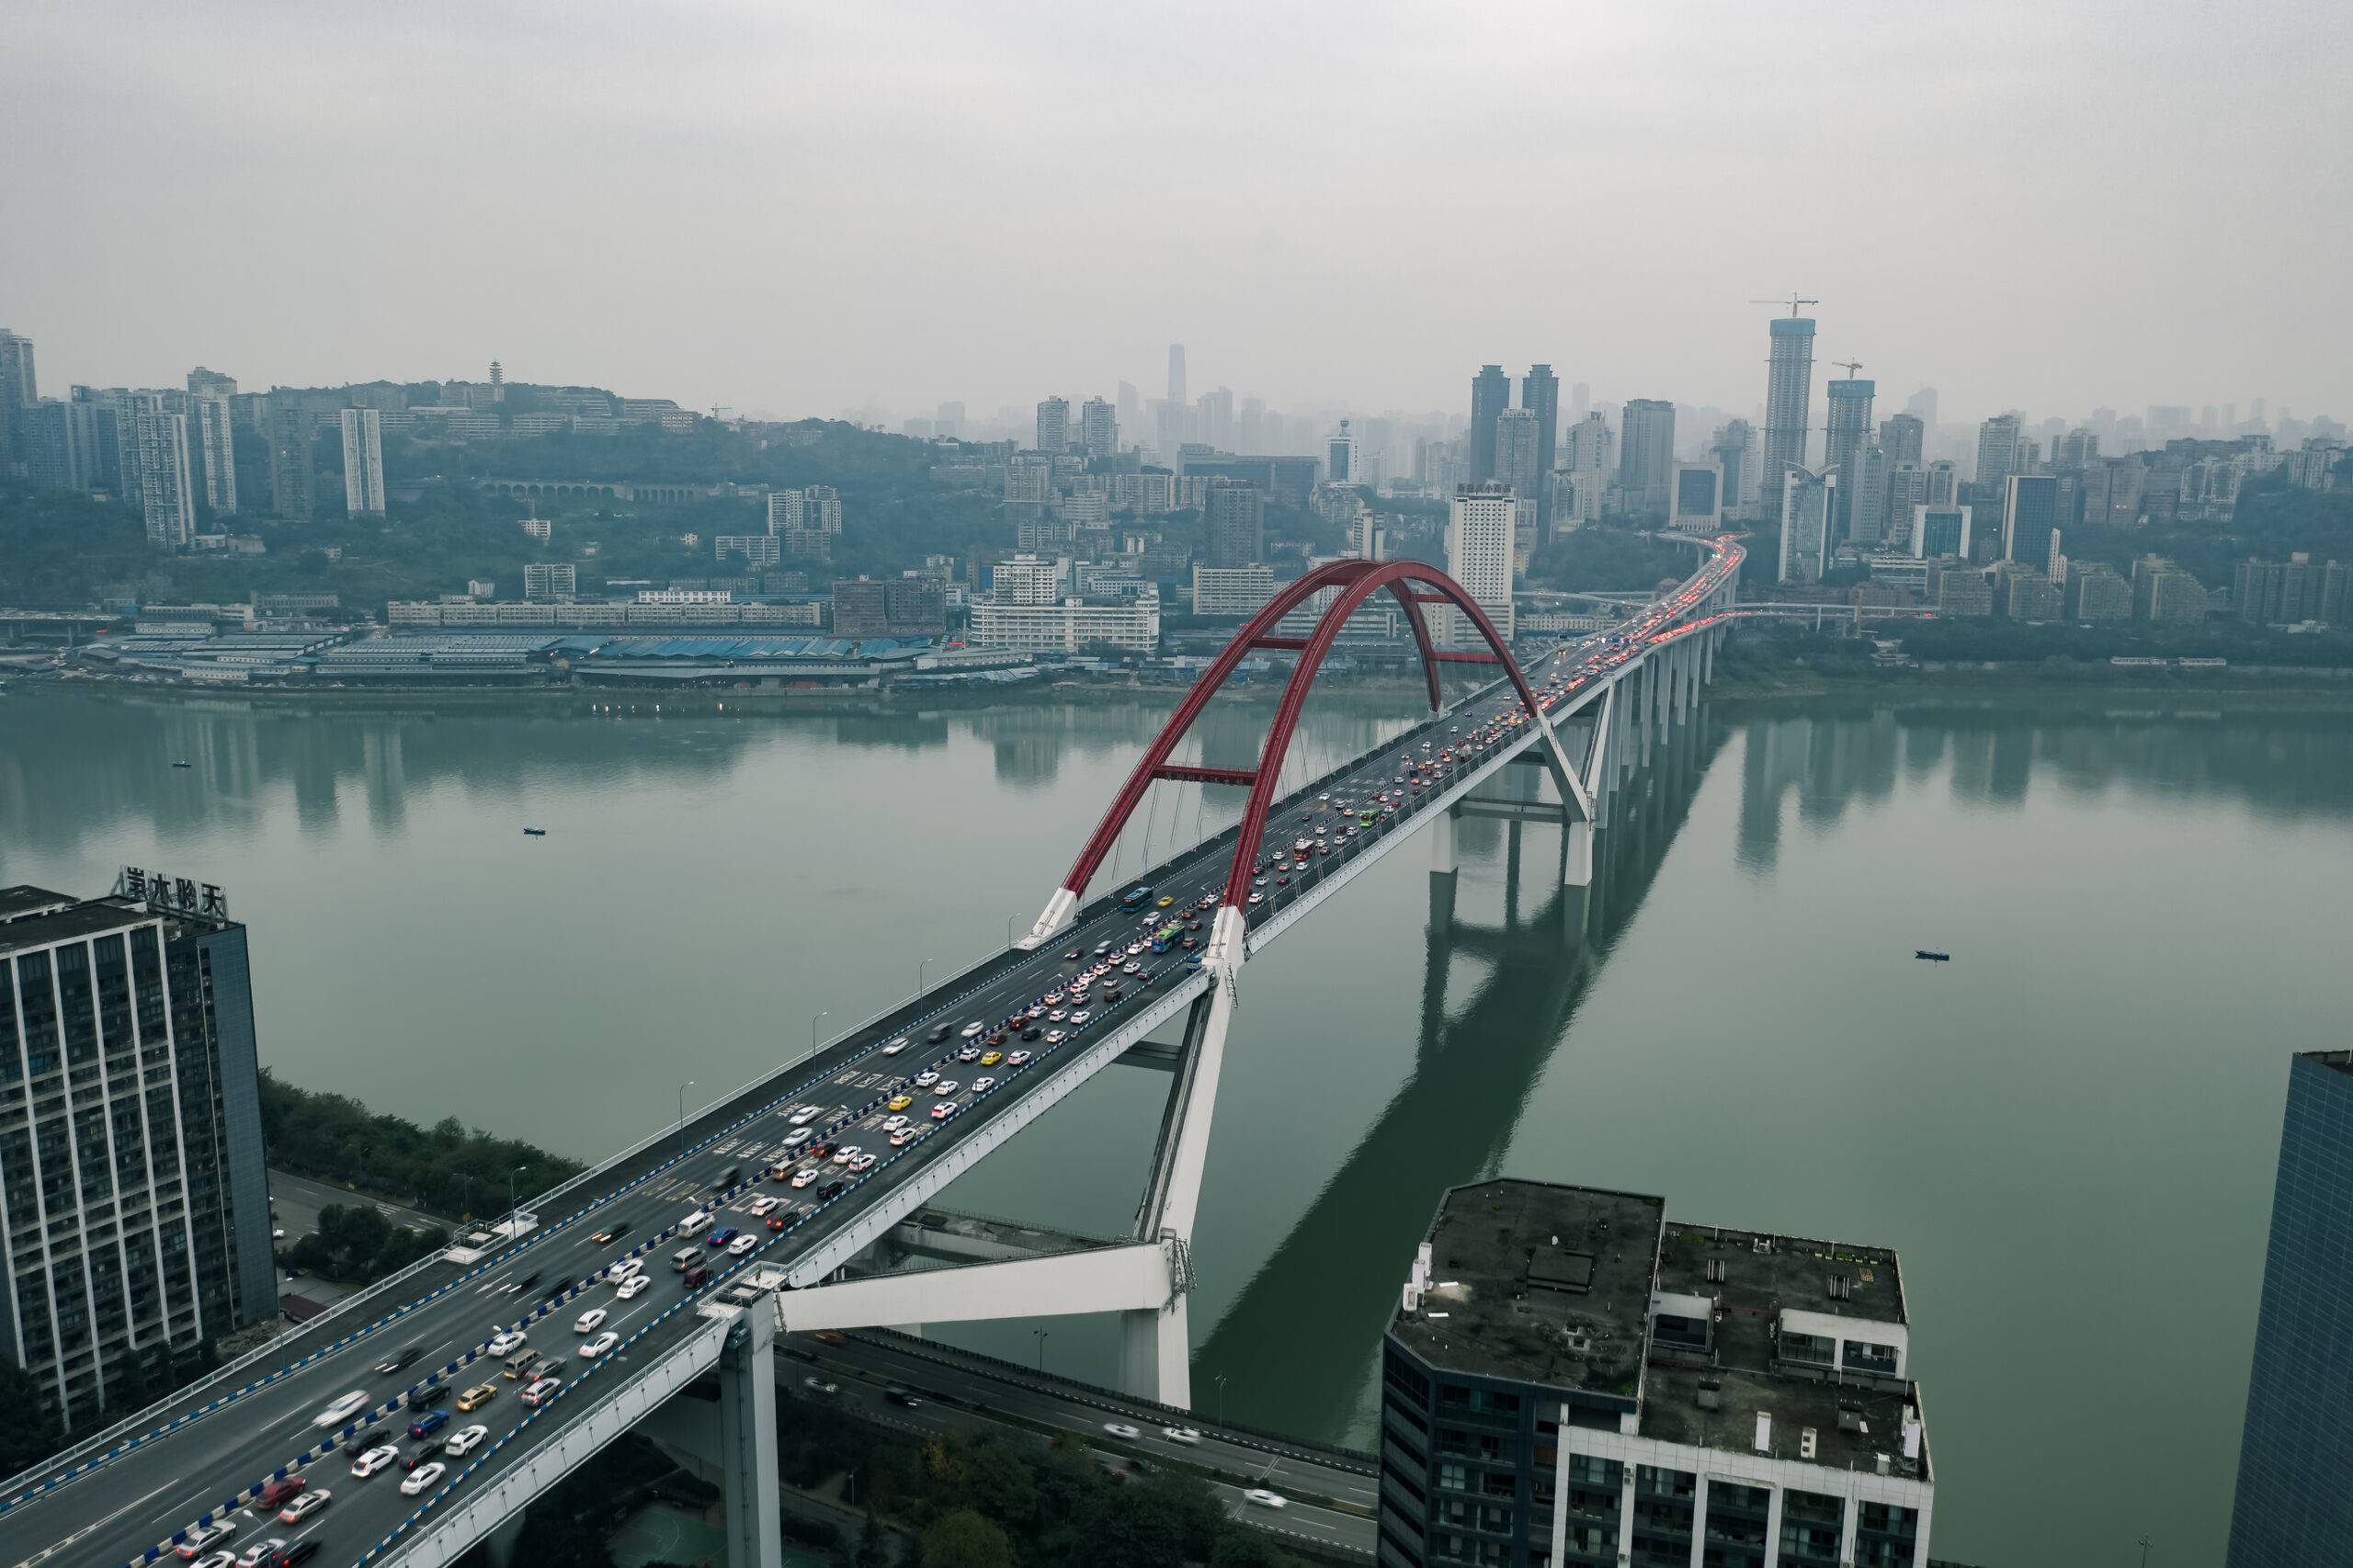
(1850, 365)
(1794, 302)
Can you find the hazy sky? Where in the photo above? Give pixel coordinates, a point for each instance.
(805, 208)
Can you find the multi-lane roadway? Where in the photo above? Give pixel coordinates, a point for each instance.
(207, 1456)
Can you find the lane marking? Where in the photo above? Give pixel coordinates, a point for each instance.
(93, 1527)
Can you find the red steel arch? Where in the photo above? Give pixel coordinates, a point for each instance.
(1357, 580)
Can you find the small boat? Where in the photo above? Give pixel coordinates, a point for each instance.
(179, 765)
(1933, 958)
(535, 832)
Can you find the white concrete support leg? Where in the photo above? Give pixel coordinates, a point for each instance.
(1157, 1355)
(1577, 863)
(1708, 658)
(1057, 914)
(499, 1544)
(1441, 831)
(747, 1455)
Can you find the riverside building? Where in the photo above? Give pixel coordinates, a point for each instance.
(133, 1203)
(1572, 1379)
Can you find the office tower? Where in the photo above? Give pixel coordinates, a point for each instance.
(1250, 428)
(1696, 500)
(1490, 395)
(216, 444)
(1736, 453)
(1922, 405)
(1213, 418)
(949, 420)
(1482, 526)
(19, 395)
(2293, 1509)
(1520, 448)
(1940, 530)
(1789, 390)
(1053, 425)
(1540, 393)
(2075, 449)
(2001, 450)
(1906, 486)
(363, 462)
(1580, 399)
(1131, 404)
(291, 490)
(2030, 515)
(545, 580)
(1849, 431)
(1645, 454)
(157, 453)
(1588, 456)
(1570, 1379)
(1864, 489)
(1944, 483)
(1904, 437)
(1340, 458)
(1809, 512)
(1176, 374)
(138, 1219)
(61, 446)
(1233, 518)
(1098, 427)
(2111, 492)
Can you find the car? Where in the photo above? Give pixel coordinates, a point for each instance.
(821, 1385)
(899, 1396)
(893, 1123)
(432, 1421)
(762, 1205)
(864, 1162)
(400, 1360)
(224, 1558)
(898, 1102)
(982, 1086)
(943, 1110)
(697, 1277)
(374, 1459)
(1057, 1014)
(845, 1153)
(1055, 1037)
(1266, 1499)
(941, 1033)
(1258, 882)
(945, 1088)
(1121, 1430)
(602, 1344)
(902, 1136)
(832, 1190)
(634, 1286)
(624, 1269)
(1181, 1433)
(466, 1439)
(1081, 1016)
(799, 1136)
(274, 1495)
(745, 1244)
(428, 1396)
(803, 1177)
(1018, 1057)
(1053, 998)
(259, 1551)
(541, 1391)
(969, 1053)
(802, 1116)
(1073, 955)
(610, 1233)
(587, 1322)
(342, 1410)
(477, 1396)
(505, 1341)
(1030, 1033)
(271, 1496)
(721, 1236)
(302, 1507)
(975, 1027)
(894, 1047)
(200, 1537)
(1166, 902)
(422, 1477)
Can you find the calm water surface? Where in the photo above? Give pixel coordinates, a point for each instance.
(2069, 1131)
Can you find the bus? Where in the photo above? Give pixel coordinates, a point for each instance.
(1137, 896)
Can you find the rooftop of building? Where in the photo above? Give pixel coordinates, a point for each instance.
(48, 918)
(2338, 1060)
(1539, 1283)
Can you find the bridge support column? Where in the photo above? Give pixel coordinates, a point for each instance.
(1441, 831)
(1576, 855)
(499, 1544)
(1157, 1355)
(1707, 655)
(747, 1457)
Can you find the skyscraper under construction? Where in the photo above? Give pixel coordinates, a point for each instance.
(1789, 384)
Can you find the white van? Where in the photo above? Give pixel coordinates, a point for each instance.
(692, 1225)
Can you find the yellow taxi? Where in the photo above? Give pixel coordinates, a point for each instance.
(476, 1397)
(992, 1058)
(901, 1102)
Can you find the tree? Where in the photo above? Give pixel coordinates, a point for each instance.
(964, 1539)
(128, 1389)
(31, 1434)
(873, 1546)
(1243, 1548)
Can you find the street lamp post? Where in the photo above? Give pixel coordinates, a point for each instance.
(919, 977)
(1220, 1398)
(512, 1207)
(813, 1032)
(682, 1115)
(1041, 1347)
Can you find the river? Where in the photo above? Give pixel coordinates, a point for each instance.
(2070, 1130)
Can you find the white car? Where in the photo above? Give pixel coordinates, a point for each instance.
(845, 1153)
(224, 1558)
(262, 1551)
(804, 1115)
(760, 1206)
(972, 1028)
(893, 1123)
(743, 1244)
(864, 1162)
(943, 1110)
(465, 1440)
(803, 1177)
(343, 1409)
(1266, 1499)
(982, 1086)
(1055, 1037)
(305, 1503)
(901, 1137)
(374, 1459)
(1081, 1016)
(1181, 1433)
(504, 1342)
(799, 1136)
(895, 1046)
(1121, 1430)
(201, 1536)
(1016, 1059)
(624, 1269)
(926, 1078)
(635, 1285)
(1057, 1015)
(945, 1088)
(422, 1477)
(599, 1345)
(587, 1322)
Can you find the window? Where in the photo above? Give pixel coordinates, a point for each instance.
(1454, 1477)
(1668, 1329)
(1454, 1394)
(1891, 1518)
(1495, 1519)
(1592, 1470)
(1499, 1483)
(1496, 1404)
(1658, 1481)
(1863, 1357)
(1410, 1384)
(1809, 1348)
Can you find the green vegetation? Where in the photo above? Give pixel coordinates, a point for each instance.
(356, 1245)
(447, 1168)
(1611, 556)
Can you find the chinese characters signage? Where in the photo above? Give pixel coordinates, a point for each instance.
(170, 894)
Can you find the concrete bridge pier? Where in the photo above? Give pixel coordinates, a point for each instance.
(1576, 855)
(1441, 831)
(748, 1455)
(499, 1544)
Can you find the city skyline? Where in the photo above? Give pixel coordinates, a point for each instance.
(1273, 291)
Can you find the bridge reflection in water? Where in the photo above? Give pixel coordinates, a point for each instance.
(1299, 1349)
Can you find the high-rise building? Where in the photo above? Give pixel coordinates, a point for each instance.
(1233, 517)
(1340, 465)
(1482, 526)
(1645, 454)
(202, 382)
(1099, 425)
(816, 509)
(549, 580)
(1789, 392)
(1697, 501)
(1737, 454)
(155, 449)
(61, 444)
(1865, 509)
(1053, 425)
(1570, 1379)
(1940, 530)
(292, 490)
(1131, 404)
(1809, 512)
(1490, 395)
(2075, 448)
(1944, 483)
(363, 462)
(1904, 438)
(19, 395)
(1176, 374)
(1588, 456)
(2001, 451)
(1922, 405)
(216, 444)
(2030, 515)
(1519, 451)
(1906, 487)
(1540, 393)
(2293, 1509)
(949, 420)
(1847, 433)
(137, 1210)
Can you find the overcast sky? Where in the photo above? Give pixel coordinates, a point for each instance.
(805, 208)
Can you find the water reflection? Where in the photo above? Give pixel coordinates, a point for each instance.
(1498, 994)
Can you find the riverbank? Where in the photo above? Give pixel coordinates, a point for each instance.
(2089, 688)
